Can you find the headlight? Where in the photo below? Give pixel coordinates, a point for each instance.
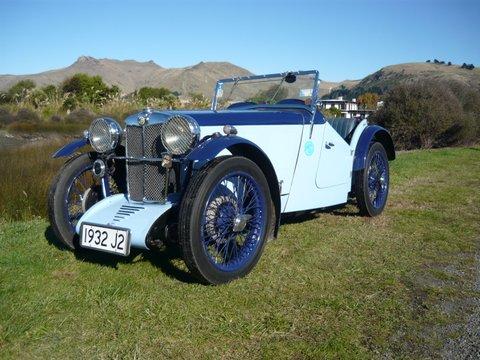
(104, 134)
(179, 134)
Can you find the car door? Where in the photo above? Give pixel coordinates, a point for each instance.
(334, 164)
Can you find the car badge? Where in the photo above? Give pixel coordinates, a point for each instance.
(142, 120)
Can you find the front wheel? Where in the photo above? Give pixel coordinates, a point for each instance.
(372, 183)
(224, 219)
(72, 192)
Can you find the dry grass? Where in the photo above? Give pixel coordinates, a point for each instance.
(25, 176)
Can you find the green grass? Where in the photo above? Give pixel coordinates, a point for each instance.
(334, 285)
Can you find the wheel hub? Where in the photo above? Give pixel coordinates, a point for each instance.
(240, 222)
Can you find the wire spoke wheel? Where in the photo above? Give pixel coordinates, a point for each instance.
(73, 191)
(377, 180)
(225, 217)
(232, 222)
(83, 191)
(371, 184)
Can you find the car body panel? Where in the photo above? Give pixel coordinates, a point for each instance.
(70, 148)
(118, 211)
(372, 133)
(305, 194)
(334, 165)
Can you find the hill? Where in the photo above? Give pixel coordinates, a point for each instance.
(131, 75)
(389, 76)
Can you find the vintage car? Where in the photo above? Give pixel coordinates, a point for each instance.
(216, 182)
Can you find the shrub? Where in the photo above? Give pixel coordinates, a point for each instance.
(27, 116)
(6, 117)
(198, 101)
(51, 92)
(146, 93)
(422, 115)
(81, 116)
(20, 90)
(89, 89)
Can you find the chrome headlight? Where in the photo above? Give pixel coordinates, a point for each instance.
(104, 134)
(180, 133)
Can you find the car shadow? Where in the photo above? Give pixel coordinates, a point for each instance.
(348, 210)
(165, 259)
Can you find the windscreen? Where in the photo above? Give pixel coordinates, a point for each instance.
(269, 89)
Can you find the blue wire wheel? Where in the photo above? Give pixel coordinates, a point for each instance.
(378, 180)
(234, 221)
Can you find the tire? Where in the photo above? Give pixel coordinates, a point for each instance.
(371, 184)
(216, 250)
(58, 196)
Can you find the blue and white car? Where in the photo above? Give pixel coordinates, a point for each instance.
(217, 182)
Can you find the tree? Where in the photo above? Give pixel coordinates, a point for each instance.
(368, 100)
(332, 112)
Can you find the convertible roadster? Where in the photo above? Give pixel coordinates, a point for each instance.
(217, 181)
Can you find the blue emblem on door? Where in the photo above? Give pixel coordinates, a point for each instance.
(309, 148)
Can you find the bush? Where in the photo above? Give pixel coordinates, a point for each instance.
(20, 90)
(6, 117)
(82, 116)
(430, 114)
(88, 89)
(146, 93)
(27, 116)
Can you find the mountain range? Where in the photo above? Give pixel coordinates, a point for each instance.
(130, 75)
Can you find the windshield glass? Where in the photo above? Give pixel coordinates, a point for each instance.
(292, 87)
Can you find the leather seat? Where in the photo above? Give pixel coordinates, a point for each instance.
(343, 126)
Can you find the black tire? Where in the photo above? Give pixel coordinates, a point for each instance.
(366, 205)
(56, 198)
(192, 209)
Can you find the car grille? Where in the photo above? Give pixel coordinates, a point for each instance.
(146, 180)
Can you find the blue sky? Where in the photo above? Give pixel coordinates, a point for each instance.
(342, 39)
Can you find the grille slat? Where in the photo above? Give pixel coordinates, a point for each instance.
(146, 181)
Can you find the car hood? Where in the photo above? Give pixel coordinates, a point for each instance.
(226, 117)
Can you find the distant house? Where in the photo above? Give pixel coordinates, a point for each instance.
(349, 108)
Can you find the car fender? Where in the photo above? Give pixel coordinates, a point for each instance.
(238, 146)
(372, 133)
(70, 148)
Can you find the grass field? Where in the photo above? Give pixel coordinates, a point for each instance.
(333, 285)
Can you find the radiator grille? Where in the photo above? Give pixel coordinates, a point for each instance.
(146, 180)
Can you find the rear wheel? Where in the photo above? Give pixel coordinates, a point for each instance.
(224, 219)
(372, 183)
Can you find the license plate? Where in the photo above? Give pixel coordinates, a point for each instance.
(113, 240)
